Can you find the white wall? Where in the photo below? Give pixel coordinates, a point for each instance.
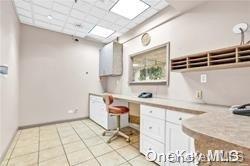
(53, 76)
(9, 44)
(209, 26)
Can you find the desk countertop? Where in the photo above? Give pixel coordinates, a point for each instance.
(212, 121)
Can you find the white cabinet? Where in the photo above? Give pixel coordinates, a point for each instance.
(99, 114)
(152, 127)
(149, 144)
(161, 131)
(152, 130)
(110, 60)
(176, 139)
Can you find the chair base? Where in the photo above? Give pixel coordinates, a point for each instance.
(115, 134)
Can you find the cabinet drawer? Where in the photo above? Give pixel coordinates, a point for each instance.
(152, 127)
(147, 144)
(153, 111)
(177, 117)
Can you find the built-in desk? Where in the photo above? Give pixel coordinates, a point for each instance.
(212, 127)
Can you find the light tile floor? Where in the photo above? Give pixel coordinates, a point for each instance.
(76, 143)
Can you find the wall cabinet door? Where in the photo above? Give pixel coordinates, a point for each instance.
(110, 60)
(176, 140)
(106, 60)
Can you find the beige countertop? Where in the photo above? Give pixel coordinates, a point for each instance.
(181, 106)
(212, 121)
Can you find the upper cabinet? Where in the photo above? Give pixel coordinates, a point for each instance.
(110, 61)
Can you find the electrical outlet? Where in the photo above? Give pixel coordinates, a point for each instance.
(198, 94)
(203, 78)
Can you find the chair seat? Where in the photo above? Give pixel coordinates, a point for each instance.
(118, 109)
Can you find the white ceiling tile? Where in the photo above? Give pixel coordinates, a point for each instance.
(151, 2)
(88, 13)
(91, 19)
(92, 2)
(74, 21)
(148, 13)
(24, 12)
(82, 6)
(25, 20)
(104, 4)
(23, 4)
(122, 21)
(42, 24)
(111, 17)
(87, 26)
(131, 25)
(55, 28)
(161, 5)
(41, 10)
(115, 27)
(70, 26)
(80, 34)
(123, 30)
(41, 18)
(69, 31)
(57, 22)
(105, 24)
(68, 3)
(58, 16)
(97, 12)
(77, 14)
(44, 3)
(139, 19)
(61, 8)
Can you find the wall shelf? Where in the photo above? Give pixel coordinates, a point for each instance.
(230, 57)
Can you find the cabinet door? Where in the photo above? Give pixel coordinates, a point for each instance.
(153, 127)
(176, 140)
(98, 111)
(106, 60)
(147, 144)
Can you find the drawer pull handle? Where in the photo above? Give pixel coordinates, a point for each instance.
(180, 118)
(150, 127)
(149, 148)
(151, 111)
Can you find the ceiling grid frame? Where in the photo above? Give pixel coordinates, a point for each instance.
(104, 18)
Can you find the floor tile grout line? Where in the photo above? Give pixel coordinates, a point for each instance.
(86, 144)
(112, 148)
(82, 140)
(117, 149)
(62, 146)
(38, 158)
(13, 148)
(109, 146)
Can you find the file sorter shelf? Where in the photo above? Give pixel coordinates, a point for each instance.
(230, 57)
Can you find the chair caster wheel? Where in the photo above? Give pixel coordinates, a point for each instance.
(108, 141)
(128, 140)
(103, 134)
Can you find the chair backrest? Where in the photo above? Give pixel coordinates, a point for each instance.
(108, 99)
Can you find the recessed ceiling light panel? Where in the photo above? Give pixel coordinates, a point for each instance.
(129, 8)
(101, 31)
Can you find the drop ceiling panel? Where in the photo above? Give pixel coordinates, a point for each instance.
(86, 13)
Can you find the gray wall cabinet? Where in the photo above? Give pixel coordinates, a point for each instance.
(110, 60)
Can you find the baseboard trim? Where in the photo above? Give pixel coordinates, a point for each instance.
(134, 126)
(49, 123)
(8, 146)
